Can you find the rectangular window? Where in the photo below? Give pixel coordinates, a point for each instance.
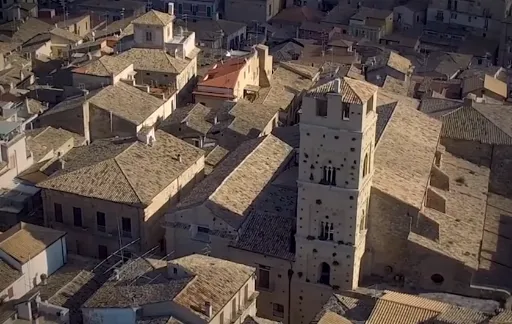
(270, 10)
(10, 292)
(102, 252)
(77, 216)
(100, 222)
(263, 280)
(246, 293)
(369, 105)
(321, 107)
(127, 227)
(345, 111)
(326, 231)
(208, 11)
(180, 8)
(221, 318)
(328, 176)
(149, 36)
(277, 310)
(57, 208)
(201, 233)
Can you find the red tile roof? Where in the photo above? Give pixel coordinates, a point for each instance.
(224, 75)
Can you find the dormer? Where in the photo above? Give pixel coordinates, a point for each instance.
(153, 29)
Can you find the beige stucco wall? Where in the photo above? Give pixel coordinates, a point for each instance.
(145, 222)
(158, 36)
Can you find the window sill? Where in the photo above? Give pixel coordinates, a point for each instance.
(201, 239)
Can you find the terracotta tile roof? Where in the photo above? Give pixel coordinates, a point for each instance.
(105, 66)
(154, 18)
(352, 91)
(224, 75)
(124, 170)
(437, 107)
(215, 281)
(398, 308)
(416, 135)
(394, 85)
(216, 156)
(196, 117)
(460, 315)
(141, 281)
(461, 226)
(250, 116)
(156, 60)
(298, 15)
(127, 102)
(67, 35)
(333, 318)
(504, 317)
(233, 186)
(485, 123)
(25, 241)
(42, 141)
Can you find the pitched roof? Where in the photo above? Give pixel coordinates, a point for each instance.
(154, 18)
(42, 141)
(8, 275)
(215, 281)
(485, 123)
(25, 241)
(351, 91)
(365, 13)
(208, 29)
(157, 60)
(232, 187)
(298, 15)
(105, 66)
(408, 132)
(224, 75)
(333, 318)
(124, 170)
(23, 32)
(127, 102)
(398, 62)
(67, 35)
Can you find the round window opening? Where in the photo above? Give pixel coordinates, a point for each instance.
(437, 278)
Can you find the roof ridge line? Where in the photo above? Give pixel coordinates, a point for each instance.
(414, 306)
(124, 174)
(493, 123)
(238, 166)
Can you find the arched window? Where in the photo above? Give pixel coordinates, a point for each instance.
(366, 165)
(325, 274)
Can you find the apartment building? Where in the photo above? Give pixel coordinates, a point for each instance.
(148, 174)
(235, 78)
(191, 289)
(371, 23)
(162, 55)
(482, 18)
(249, 11)
(193, 11)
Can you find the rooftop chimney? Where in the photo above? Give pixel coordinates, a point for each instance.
(178, 157)
(208, 309)
(62, 164)
(170, 10)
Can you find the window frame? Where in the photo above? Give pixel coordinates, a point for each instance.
(126, 233)
(77, 214)
(101, 227)
(59, 216)
(278, 310)
(263, 269)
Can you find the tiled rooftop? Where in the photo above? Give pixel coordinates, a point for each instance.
(124, 170)
(42, 141)
(25, 241)
(154, 60)
(127, 102)
(407, 133)
(233, 186)
(9, 275)
(105, 66)
(215, 281)
(154, 18)
(351, 91)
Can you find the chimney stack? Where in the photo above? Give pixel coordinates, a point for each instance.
(179, 158)
(171, 9)
(208, 309)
